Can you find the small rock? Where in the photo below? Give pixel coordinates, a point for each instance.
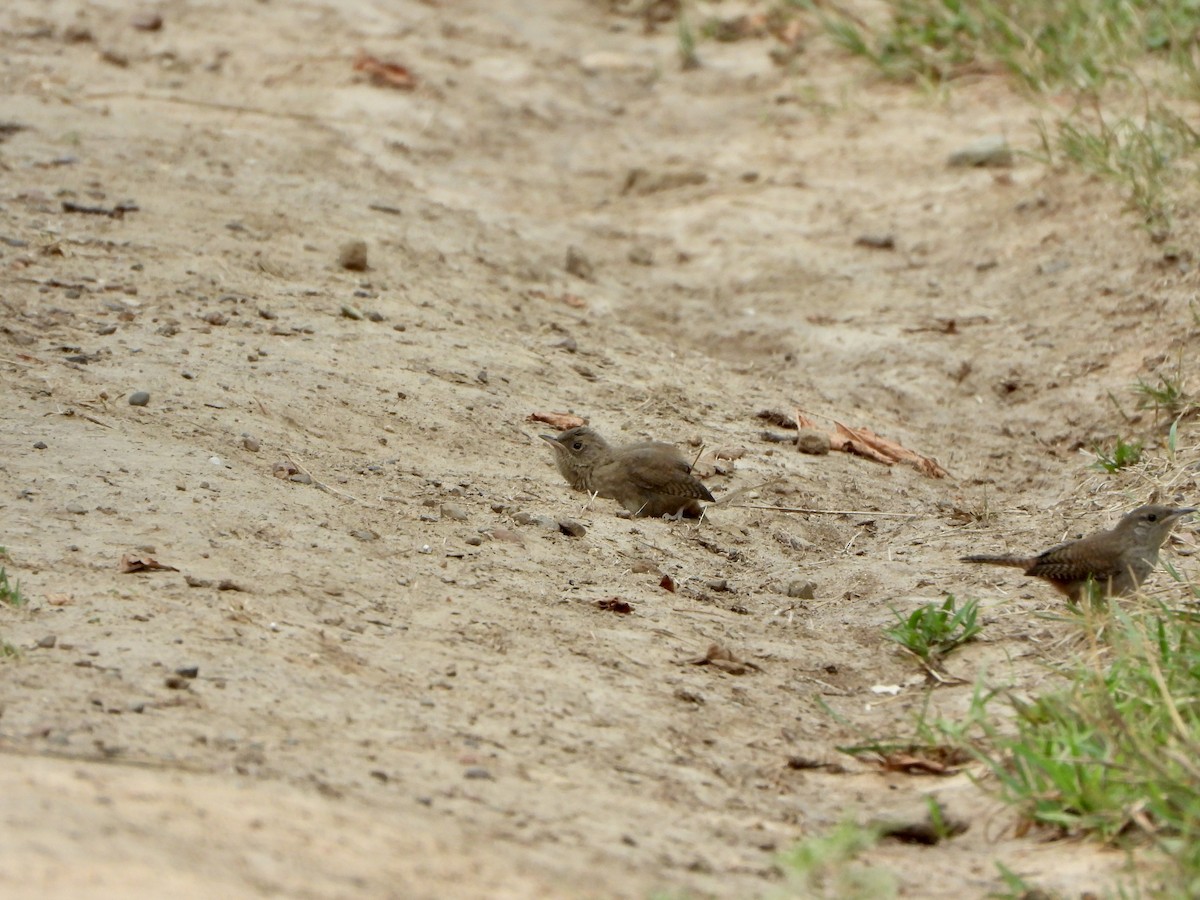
(375, 316)
(188, 375)
(353, 256)
(364, 534)
(718, 585)
(187, 671)
(107, 329)
(876, 241)
(139, 398)
(351, 312)
(689, 696)
(641, 256)
(815, 442)
(802, 590)
(75, 509)
(523, 518)
(301, 478)
(251, 443)
(147, 21)
(571, 528)
(578, 264)
(40, 445)
(989, 151)
(478, 772)
(177, 682)
(47, 642)
(473, 540)
(454, 511)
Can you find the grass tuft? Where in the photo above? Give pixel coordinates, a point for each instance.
(932, 632)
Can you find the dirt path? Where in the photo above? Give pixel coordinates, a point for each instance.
(405, 686)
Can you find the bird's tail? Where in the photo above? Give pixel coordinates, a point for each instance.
(1017, 562)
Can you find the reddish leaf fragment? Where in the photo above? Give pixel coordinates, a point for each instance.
(667, 583)
(931, 761)
(129, 564)
(615, 604)
(560, 420)
(865, 442)
(383, 73)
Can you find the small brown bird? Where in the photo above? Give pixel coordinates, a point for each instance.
(647, 478)
(1112, 562)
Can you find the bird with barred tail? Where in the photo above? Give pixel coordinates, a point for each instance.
(648, 478)
(1113, 562)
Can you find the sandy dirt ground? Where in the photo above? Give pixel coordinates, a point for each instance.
(403, 682)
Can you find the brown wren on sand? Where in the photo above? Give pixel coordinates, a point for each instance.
(1109, 563)
(648, 478)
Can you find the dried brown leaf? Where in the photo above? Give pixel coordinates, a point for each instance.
(560, 420)
(128, 564)
(383, 73)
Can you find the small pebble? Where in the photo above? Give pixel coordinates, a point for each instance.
(250, 443)
(375, 316)
(106, 329)
(802, 590)
(473, 540)
(147, 21)
(351, 312)
(988, 151)
(177, 682)
(40, 445)
(301, 478)
(718, 585)
(187, 671)
(365, 534)
(353, 256)
(478, 772)
(47, 642)
(454, 511)
(571, 528)
(578, 264)
(139, 398)
(75, 509)
(188, 375)
(815, 442)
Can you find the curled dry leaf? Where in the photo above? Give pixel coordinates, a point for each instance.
(560, 420)
(722, 658)
(129, 564)
(865, 442)
(615, 604)
(383, 73)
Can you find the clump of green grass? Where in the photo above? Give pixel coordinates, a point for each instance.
(686, 38)
(1073, 43)
(1122, 455)
(931, 632)
(1143, 155)
(825, 866)
(1116, 54)
(1168, 396)
(10, 593)
(1116, 753)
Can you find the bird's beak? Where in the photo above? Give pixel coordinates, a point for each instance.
(553, 441)
(1180, 513)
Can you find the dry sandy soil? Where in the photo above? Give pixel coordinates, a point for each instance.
(405, 685)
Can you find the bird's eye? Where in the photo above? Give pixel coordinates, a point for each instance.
(1152, 517)
(578, 445)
